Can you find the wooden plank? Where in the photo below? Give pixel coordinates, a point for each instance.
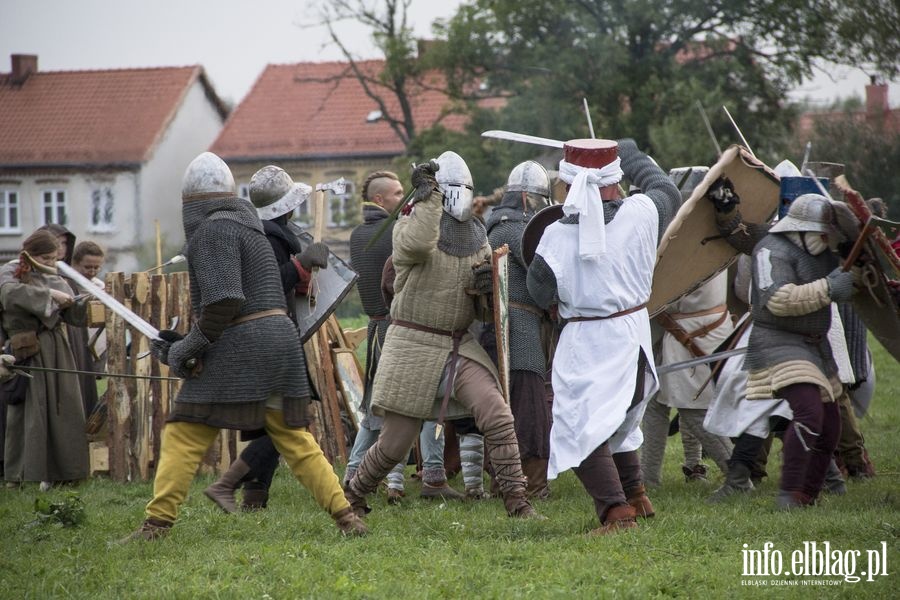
(119, 409)
(99, 457)
(350, 379)
(332, 407)
(142, 407)
(159, 390)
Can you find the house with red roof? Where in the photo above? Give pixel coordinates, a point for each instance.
(877, 114)
(316, 121)
(102, 152)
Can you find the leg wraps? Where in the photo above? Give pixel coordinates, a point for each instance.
(392, 447)
(471, 454)
(717, 448)
(690, 443)
(396, 478)
(656, 429)
(432, 455)
(851, 444)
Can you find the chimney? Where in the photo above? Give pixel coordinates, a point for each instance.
(876, 98)
(23, 65)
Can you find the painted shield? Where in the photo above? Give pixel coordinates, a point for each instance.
(500, 270)
(531, 237)
(876, 303)
(330, 287)
(691, 251)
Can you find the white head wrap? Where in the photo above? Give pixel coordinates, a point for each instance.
(584, 199)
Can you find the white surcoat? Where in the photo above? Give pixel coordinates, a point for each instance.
(595, 364)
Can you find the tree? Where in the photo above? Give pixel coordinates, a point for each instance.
(643, 64)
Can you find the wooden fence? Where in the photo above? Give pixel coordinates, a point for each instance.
(137, 408)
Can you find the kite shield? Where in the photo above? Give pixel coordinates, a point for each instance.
(691, 251)
(876, 303)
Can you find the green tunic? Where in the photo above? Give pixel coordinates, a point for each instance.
(45, 435)
(430, 290)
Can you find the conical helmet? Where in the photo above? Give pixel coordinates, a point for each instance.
(274, 193)
(207, 178)
(529, 176)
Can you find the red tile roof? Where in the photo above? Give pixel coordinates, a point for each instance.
(93, 118)
(319, 110)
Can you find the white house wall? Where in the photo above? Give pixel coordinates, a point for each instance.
(191, 132)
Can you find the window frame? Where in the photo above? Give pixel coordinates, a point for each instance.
(107, 200)
(55, 192)
(5, 194)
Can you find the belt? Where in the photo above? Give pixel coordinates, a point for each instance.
(687, 339)
(700, 313)
(380, 318)
(451, 376)
(258, 315)
(621, 313)
(527, 307)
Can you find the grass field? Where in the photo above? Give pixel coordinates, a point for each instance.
(432, 550)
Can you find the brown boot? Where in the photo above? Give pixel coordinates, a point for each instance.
(357, 503)
(618, 518)
(640, 502)
(149, 531)
(535, 470)
(395, 497)
(349, 523)
(441, 491)
(222, 491)
(254, 499)
(518, 506)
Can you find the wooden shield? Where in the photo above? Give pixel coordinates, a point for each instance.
(499, 262)
(875, 303)
(691, 251)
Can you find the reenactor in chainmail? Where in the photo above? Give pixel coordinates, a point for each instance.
(745, 237)
(275, 196)
(239, 360)
(429, 353)
(596, 264)
(382, 194)
(527, 191)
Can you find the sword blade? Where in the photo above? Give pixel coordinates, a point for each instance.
(111, 303)
(521, 137)
(701, 360)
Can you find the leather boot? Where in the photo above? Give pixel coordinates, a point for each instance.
(535, 470)
(254, 499)
(349, 523)
(695, 473)
(357, 503)
(618, 518)
(149, 531)
(222, 491)
(786, 500)
(517, 505)
(737, 481)
(441, 490)
(834, 482)
(640, 502)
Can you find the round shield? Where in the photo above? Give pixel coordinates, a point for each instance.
(531, 237)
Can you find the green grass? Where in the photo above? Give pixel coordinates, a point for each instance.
(432, 550)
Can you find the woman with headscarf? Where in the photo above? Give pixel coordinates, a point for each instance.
(45, 432)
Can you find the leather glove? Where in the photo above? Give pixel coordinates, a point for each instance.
(840, 284)
(721, 193)
(5, 372)
(184, 355)
(423, 180)
(315, 255)
(484, 282)
(160, 348)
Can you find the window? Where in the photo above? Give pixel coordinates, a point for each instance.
(54, 207)
(9, 211)
(340, 205)
(244, 191)
(301, 213)
(102, 203)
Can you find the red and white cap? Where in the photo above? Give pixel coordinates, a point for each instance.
(588, 166)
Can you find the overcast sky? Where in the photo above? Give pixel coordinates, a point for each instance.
(232, 39)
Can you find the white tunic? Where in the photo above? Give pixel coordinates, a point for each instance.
(595, 365)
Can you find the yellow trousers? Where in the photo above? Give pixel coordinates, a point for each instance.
(183, 447)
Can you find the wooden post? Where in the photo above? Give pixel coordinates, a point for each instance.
(159, 390)
(142, 407)
(159, 259)
(119, 407)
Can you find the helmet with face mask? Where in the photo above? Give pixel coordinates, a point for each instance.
(456, 185)
(532, 178)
